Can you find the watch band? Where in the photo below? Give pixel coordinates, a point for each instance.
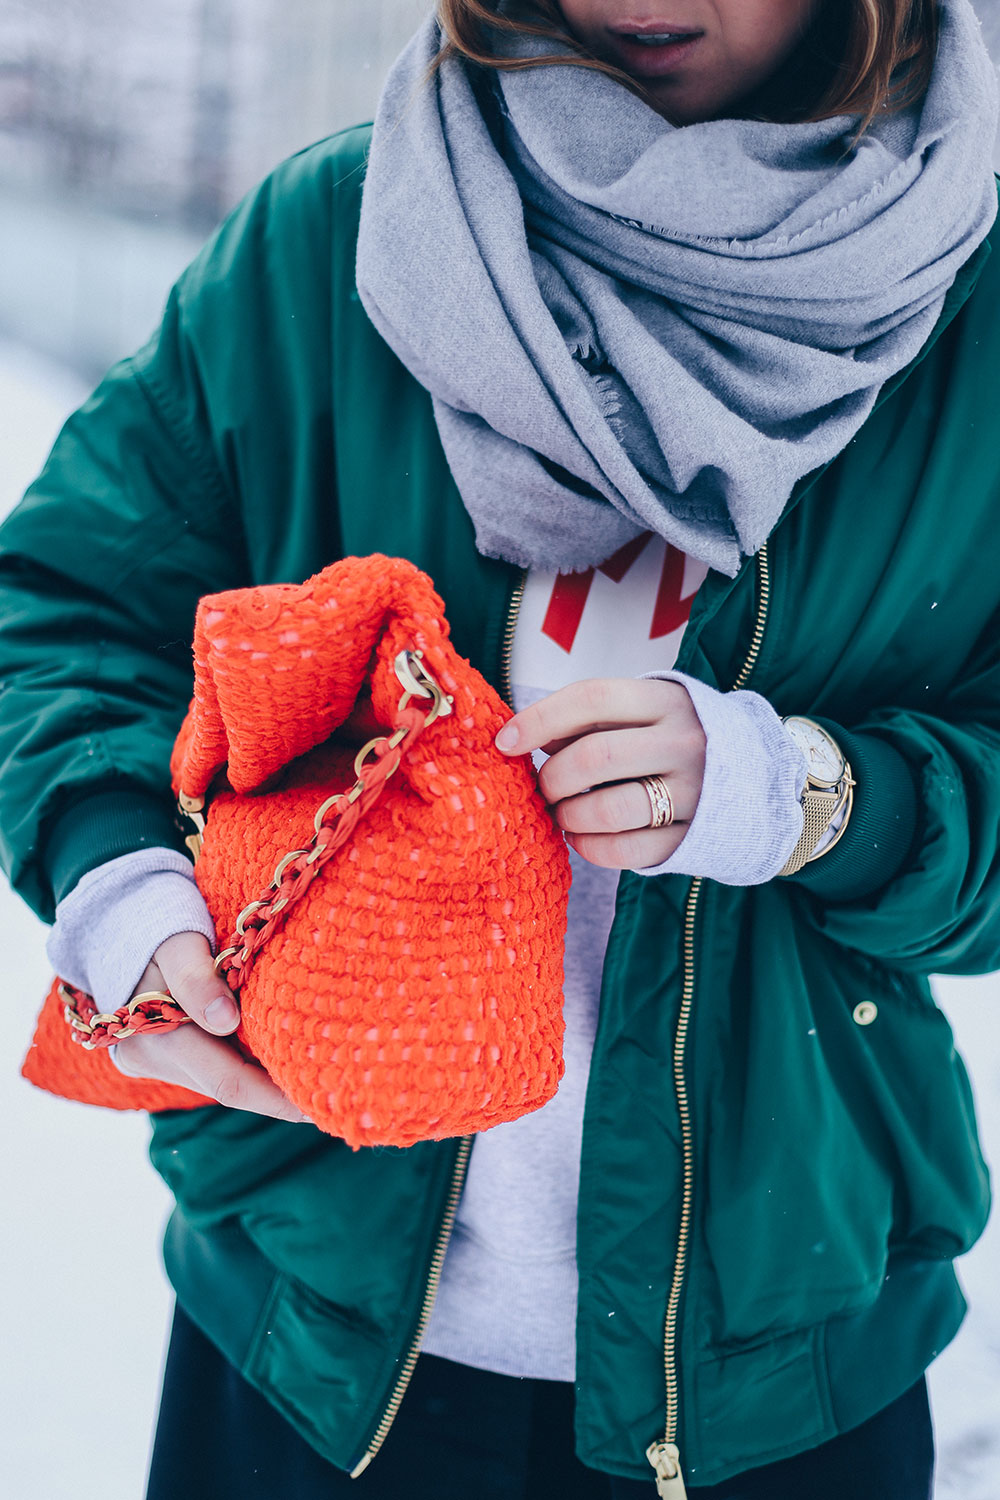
(819, 808)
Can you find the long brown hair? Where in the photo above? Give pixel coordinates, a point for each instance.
(875, 59)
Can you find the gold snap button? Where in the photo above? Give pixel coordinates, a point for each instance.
(865, 1013)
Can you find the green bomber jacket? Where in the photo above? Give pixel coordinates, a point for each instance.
(780, 1157)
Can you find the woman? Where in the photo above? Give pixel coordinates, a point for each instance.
(702, 298)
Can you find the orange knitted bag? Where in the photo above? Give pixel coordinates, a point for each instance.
(397, 914)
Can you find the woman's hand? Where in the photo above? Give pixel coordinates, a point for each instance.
(198, 1057)
(601, 735)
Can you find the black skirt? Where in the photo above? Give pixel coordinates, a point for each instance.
(465, 1434)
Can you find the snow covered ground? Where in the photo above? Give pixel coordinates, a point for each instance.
(84, 1302)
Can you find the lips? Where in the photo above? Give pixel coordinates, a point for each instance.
(652, 49)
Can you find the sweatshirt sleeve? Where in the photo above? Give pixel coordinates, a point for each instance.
(110, 925)
(749, 814)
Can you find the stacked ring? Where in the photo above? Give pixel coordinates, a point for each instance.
(660, 801)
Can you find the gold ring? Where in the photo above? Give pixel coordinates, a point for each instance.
(660, 801)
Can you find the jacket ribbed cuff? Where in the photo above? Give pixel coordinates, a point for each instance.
(102, 827)
(882, 825)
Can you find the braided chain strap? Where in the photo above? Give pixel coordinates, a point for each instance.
(153, 1010)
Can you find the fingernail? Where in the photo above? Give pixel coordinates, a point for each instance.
(221, 1014)
(508, 737)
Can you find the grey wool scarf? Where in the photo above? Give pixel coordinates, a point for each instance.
(626, 325)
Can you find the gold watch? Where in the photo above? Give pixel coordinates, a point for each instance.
(829, 790)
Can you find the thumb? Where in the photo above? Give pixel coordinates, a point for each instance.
(188, 969)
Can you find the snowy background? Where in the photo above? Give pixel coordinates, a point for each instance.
(94, 224)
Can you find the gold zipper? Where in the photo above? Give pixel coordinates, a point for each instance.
(433, 1278)
(760, 624)
(461, 1160)
(507, 649)
(664, 1455)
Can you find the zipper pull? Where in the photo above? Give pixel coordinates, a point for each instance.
(666, 1460)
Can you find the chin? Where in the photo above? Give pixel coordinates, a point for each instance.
(680, 108)
(677, 110)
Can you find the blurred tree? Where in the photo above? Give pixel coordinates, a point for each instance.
(174, 110)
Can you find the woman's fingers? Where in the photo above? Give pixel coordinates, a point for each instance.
(612, 730)
(583, 707)
(602, 736)
(209, 1066)
(623, 808)
(191, 1056)
(188, 970)
(624, 755)
(611, 827)
(638, 850)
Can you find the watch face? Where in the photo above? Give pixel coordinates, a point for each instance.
(823, 756)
